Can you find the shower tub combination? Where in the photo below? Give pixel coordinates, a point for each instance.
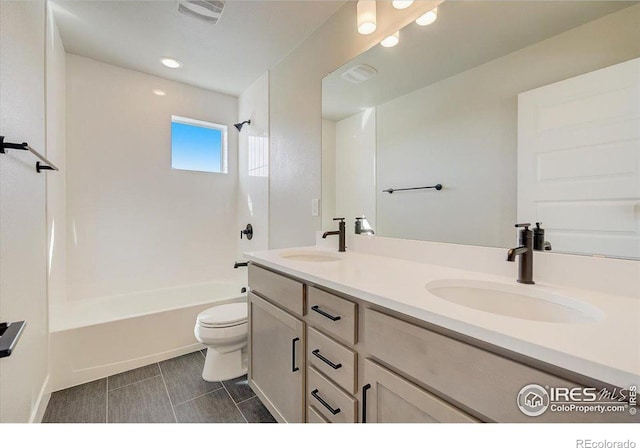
(94, 338)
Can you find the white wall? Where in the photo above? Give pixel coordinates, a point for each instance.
(355, 189)
(55, 130)
(295, 106)
(253, 165)
(328, 200)
(133, 223)
(23, 289)
(462, 132)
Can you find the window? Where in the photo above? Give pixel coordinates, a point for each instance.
(198, 145)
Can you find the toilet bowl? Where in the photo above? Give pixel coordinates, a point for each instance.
(223, 329)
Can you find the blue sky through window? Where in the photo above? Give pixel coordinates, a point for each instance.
(196, 148)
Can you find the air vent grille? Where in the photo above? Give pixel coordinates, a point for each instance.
(207, 10)
(359, 73)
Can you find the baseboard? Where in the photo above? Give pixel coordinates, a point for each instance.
(42, 402)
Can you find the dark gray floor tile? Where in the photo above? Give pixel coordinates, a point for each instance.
(85, 403)
(142, 402)
(239, 389)
(183, 376)
(255, 412)
(215, 407)
(133, 376)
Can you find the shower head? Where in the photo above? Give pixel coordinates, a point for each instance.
(238, 126)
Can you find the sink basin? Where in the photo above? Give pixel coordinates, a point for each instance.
(523, 302)
(309, 256)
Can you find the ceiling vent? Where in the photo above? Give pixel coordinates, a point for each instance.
(359, 73)
(207, 10)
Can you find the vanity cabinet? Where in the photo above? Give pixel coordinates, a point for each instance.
(277, 344)
(389, 398)
(320, 356)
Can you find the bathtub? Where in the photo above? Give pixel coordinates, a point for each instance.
(94, 338)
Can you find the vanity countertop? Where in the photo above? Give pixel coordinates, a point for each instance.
(607, 350)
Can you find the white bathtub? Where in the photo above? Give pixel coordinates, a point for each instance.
(94, 338)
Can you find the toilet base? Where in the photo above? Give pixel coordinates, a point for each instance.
(224, 366)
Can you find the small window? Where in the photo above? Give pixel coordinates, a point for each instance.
(198, 145)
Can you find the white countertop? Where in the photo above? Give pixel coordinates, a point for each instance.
(606, 350)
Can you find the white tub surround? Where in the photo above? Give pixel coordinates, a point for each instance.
(607, 350)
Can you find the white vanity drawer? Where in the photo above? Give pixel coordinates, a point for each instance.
(333, 314)
(335, 405)
(333, 359)
(282, 290)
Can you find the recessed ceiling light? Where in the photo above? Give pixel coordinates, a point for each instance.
(428, 18)
(401, 4)
(159, 92)
(171, 63)
(391, 41)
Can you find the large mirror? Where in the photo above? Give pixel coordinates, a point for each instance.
(524, 111)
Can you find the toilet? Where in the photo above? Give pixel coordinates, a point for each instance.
(223, 329)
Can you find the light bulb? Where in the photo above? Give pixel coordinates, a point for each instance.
(391, 41)
(402, 4)
(366, 14)
(428, 18)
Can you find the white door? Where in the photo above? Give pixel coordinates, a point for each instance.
(579, 161)
(23, 294)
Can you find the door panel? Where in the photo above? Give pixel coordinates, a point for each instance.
(276, 369)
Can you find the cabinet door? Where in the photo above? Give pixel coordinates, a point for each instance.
(276, 359)
(389, 398)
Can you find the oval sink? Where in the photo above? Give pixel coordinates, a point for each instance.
(309, 256)
(522, 302)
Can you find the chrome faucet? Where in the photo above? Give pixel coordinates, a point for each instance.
(341, 232)
(525, 251)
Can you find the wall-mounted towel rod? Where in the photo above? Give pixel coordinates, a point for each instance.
(391, 190)
(25, 147)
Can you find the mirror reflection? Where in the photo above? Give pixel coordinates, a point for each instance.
(523, 111)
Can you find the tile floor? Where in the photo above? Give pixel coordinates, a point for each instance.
(166, 392)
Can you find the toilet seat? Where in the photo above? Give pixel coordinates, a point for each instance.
(223, 316)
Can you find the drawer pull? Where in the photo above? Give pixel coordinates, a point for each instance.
(314, 394)
(365, 388)
(294, 368)
(317, 309)
(317, 354)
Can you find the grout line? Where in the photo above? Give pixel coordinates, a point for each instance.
(135, 382)
(246, 399)
(167, 390)
(199, 396)
(106, 400)
(234, 403)
(203, 355)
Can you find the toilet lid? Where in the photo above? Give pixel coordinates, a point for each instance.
(223, 315)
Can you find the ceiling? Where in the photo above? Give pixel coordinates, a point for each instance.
(250, 37)
(466, 35)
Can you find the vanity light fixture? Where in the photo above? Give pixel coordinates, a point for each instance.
(171, 63)
(428, 18)
(402, 4)
(159, 92)
(391, 41)
(366, 14)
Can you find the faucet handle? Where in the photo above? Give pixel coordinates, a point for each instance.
(338, 219)
(525, 225)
